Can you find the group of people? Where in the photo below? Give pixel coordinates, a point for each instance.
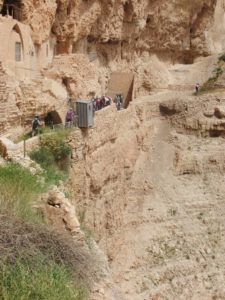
(97, 102)
(103, 101)
(100, 102)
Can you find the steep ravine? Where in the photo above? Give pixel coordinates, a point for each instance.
(152, 191)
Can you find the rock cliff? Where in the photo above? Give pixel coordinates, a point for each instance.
(96, 37)
(150, 180)
(176, 27)
(131, 35)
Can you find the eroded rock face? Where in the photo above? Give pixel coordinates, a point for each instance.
(152, 188)
(179, 26)
(40, 23)
(139, 37)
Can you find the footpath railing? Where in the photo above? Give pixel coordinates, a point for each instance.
(66, 125)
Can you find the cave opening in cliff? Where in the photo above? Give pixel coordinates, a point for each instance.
(12, 8)
(52, 118)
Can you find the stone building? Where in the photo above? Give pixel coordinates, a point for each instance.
(20, 57)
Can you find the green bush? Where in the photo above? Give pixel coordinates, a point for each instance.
(52, 155)
(55, 143)
(45, 158)
(18, 190)
(222, 57)
(218, 71)
(38, 278)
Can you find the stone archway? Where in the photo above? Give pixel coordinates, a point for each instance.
(52, 118)
(16, 44)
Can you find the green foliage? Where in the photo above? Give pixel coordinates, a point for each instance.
(172, 212)
(52, 155)
(218, 71)
(38, 278)
(45, 158)
(210, 84)
(55, 143)
(222, 57)
(18, 190)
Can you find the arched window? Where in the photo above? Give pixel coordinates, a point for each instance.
(18, 51)
(16, 44)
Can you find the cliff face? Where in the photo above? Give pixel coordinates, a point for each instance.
(149, 180)
(154, 26)
(142, 36)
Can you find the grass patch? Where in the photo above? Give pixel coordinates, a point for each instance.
(18, 190)
(51, 173)
(222, 57)
(25, 242)
(38, 278)
(211, 83)
(53, 155)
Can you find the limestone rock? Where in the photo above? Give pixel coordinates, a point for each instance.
(60, 212)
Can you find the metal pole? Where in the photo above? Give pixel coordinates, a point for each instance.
(24, 148)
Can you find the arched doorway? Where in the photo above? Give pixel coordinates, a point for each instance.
(52, 118)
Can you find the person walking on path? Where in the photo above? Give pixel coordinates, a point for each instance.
(118, 102)
(197, 87)
(69, 117)
(35, 125)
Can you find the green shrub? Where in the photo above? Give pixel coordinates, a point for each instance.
(218, 71)
(38, 278)
(55, 143)
(53, 175)
(51, 171)
(52, 155)
(18, 190)
(43, 156)
(222, 57)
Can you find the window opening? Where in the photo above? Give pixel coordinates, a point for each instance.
(18, 51)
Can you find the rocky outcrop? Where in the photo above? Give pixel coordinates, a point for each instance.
(40, 24)
(130, 36)
(58, 211)
(154, 26)
(22, 101)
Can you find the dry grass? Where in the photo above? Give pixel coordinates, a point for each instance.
(22, 240)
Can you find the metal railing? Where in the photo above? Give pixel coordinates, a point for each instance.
(66, 125)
